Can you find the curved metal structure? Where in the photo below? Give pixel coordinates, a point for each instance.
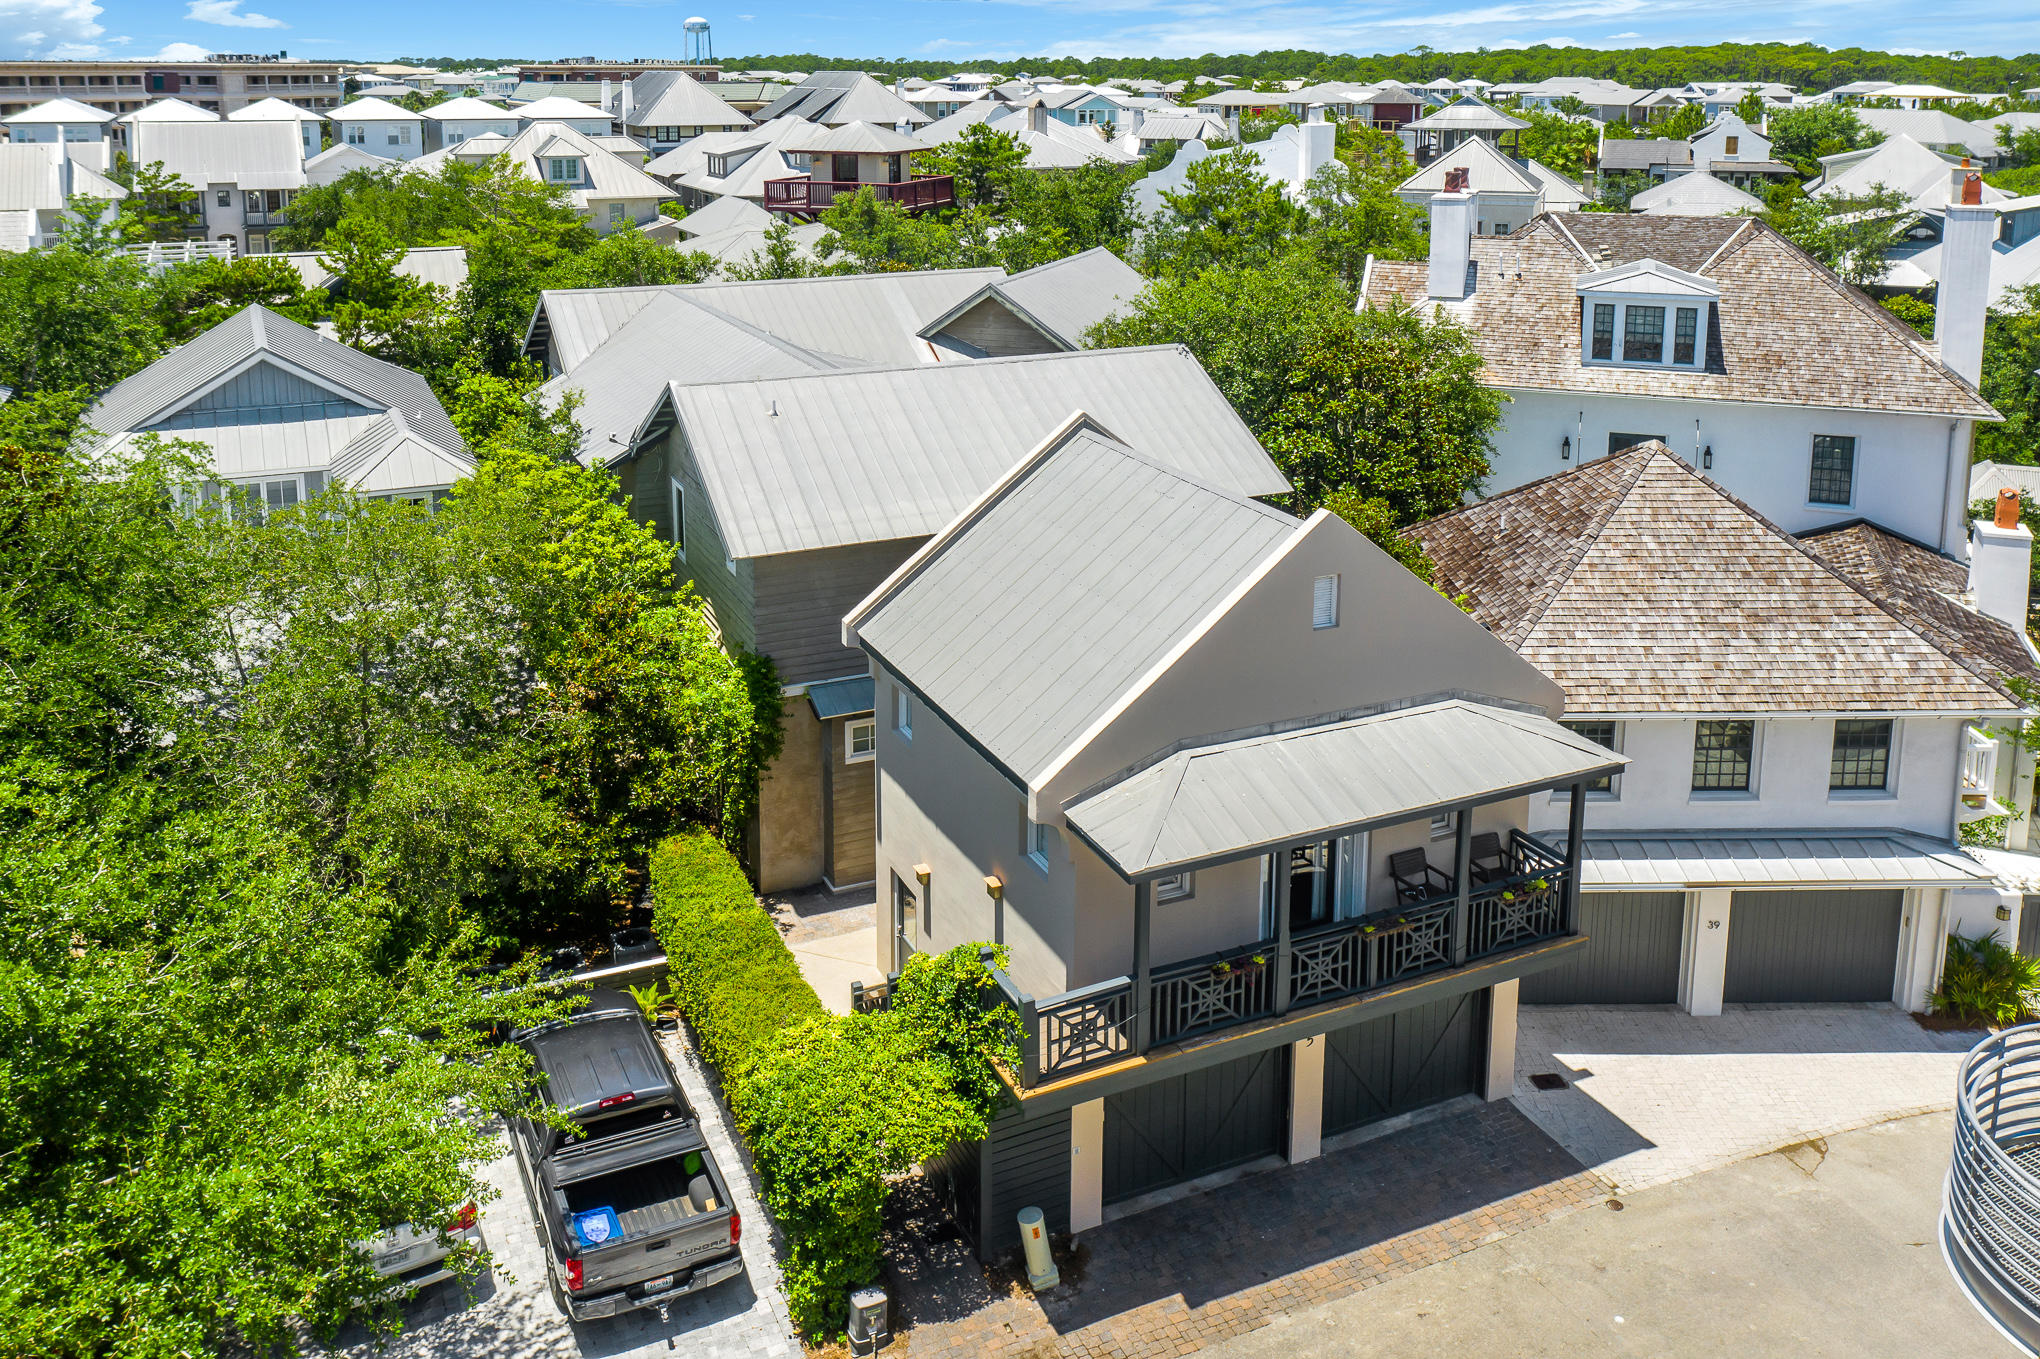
(1990, 1213)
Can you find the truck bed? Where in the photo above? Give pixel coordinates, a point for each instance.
(649, 1199)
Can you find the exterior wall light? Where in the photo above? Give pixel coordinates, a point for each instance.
(922, 873)
(994, 889)
(1565, 449)
(1707, 458)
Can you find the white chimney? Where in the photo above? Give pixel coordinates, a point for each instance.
(1232, 123)
(604, 103)
(1037, 116)
(1452, 222)
(1969, 226)
(1135, 117)
(1315, 141)
(2001, 563)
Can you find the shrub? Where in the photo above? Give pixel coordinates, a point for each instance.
(1986, 980)
(832, 1106)
(1985, 830)
(731, 973)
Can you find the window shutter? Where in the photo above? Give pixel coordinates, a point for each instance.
(1324, 602)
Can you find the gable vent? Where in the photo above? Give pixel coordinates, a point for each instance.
(1324, 602)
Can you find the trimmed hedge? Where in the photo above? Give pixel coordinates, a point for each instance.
(832, 1106)
(731, 973)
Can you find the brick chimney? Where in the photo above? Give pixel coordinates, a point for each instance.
(1452, 222)
(2001, 563)
(1968, 228)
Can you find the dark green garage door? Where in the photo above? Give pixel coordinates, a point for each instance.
(1404, 1061)
(1631, 957)
(1812, 946)
(1190, 1125)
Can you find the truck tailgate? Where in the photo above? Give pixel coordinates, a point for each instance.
(643, 1220)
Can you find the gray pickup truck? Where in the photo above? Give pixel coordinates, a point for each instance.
(634, 1210)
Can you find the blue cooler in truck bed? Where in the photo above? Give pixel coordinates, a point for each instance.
(597, 1227)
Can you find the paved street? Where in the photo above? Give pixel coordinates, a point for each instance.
(1655, 1094)
(1824, 1250)
(512, 1315)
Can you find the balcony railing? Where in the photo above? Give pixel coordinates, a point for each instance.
(817, 195)
(1099, 1024)
(1990, 1217)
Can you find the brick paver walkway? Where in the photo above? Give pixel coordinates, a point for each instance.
(1217, 1265)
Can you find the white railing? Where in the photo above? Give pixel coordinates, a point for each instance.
(1990, 1215)
(160, 255)
(1979, 763)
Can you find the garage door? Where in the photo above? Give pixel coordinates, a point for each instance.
(2029, 926)
(1194, 1124)
(1812, 946)
(1631, 957)
(1404, 1061)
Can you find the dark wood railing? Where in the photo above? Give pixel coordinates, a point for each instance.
(817, 195)
(1096, 1025)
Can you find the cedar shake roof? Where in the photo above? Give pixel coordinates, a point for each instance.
(1924, 588)
(1643, 587)
(1786, 331)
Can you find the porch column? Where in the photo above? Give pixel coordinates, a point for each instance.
(1462, 883)
(1278, 893)
(1087, 1165)
(1143, 896)
(1703, 962)
(1575, 843)
(1306, 1098)
(1501, 1040)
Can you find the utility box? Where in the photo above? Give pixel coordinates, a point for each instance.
(868, 1327)
(1041, 1270)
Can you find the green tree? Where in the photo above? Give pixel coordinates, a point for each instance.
(983, 160)
(1227, 215)
(878, 235)
(1684, 121)
(1350, 215)
(160, 206)
(1751, 108)
(2011, 354)
(1852, 234)
(629, 259)
(1911, 310)
(1801, 135)
(1558, 143)
(780, 257)
(195, 297)
(73, 319)
(378, 308)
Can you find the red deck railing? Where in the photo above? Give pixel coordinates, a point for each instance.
(816, 195)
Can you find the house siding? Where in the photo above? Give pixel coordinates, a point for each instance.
(1026, 1164)
(799, 599)
(848, 806)
(645, 481)
(264, 387)
(789, 847)
(991, 329)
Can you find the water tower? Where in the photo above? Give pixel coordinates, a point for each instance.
(700, 51)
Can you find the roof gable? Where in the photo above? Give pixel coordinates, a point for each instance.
(1646, 276)
(1643, 587)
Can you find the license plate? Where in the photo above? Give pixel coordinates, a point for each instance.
(658, 1285)
(397, 1257)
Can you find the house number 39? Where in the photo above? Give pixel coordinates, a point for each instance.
(1714, 924)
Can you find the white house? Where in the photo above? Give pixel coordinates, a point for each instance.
(381, 128)
(1508, 192)
(734, 164)
(571, 113)
(38, 181)
(666, 109)
(311, 126)
(1289, 158)
(456, 120)
(170, 110)
(65, 120)
(1802, 742)
(341, 159)
(244, 173)
(611, 192)
(1719, 338)
(1694, 194)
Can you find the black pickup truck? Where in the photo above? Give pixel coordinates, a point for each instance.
(634, 1210)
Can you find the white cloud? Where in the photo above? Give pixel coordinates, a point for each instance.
(36, 27)
(182, 51)
(227, 13)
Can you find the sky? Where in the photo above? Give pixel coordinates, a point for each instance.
(996, 29)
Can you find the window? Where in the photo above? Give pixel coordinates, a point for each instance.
(226, 197)
(1643, 334)
(1730, 145)
(903, 712)
(564, 169)
(1175, 887)
(1685, 328)
(1862, 756)
(1324, 603)
(1833, 481)
(1501, 228)
(1723, 753)
(678, 507)
(616, 217)
(1604, 330)
(1618, 442)
(1601, 734)
(1040, 841)
(860, 739)
(1444, 824)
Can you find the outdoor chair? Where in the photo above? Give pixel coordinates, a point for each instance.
(1415, 878)
(1488, 860)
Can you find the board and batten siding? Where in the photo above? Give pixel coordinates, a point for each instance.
(799, 599)
(646, 482)
(1025, 1163)
(267, 387)
(848, 803)
(993, 330)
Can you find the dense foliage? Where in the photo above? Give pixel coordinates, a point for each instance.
(832, 1106)
(2011, 379)
(1986, 981)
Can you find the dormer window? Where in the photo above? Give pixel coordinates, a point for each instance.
(1660, 313)
(564, 169)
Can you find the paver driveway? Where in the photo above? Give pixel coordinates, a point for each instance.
(512, 1315)
(1654, 1094)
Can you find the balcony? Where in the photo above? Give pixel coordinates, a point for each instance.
(1979, 777)
(1990, 1217)
(1524, 899)
(811, 197)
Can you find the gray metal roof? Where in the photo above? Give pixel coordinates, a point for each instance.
(59, 111)
(1467, 114)
(858, 138)
(1884, 858)
(171, 381)
(32, 178)
(1247, 796)
(1029, 619)
(874, 455)
(369, 109)
(834, 97)
(443, 266)
(274, 110)
(676, 99)
(1064, 297)
(843, 697)
(260, 155)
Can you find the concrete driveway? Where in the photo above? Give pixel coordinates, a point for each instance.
(1822, 1252)
(1653, 1094)
(511, 1314)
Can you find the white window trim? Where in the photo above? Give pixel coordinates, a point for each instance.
(677, 504)
(1175, 887)
(851, 755)
(1315, 586)
(903, 713)
(1889, 791)
(1750, 794)
(1613, 792)
(1671, 306)
(1855, 479)
(1039, 836)
(1449, 826)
